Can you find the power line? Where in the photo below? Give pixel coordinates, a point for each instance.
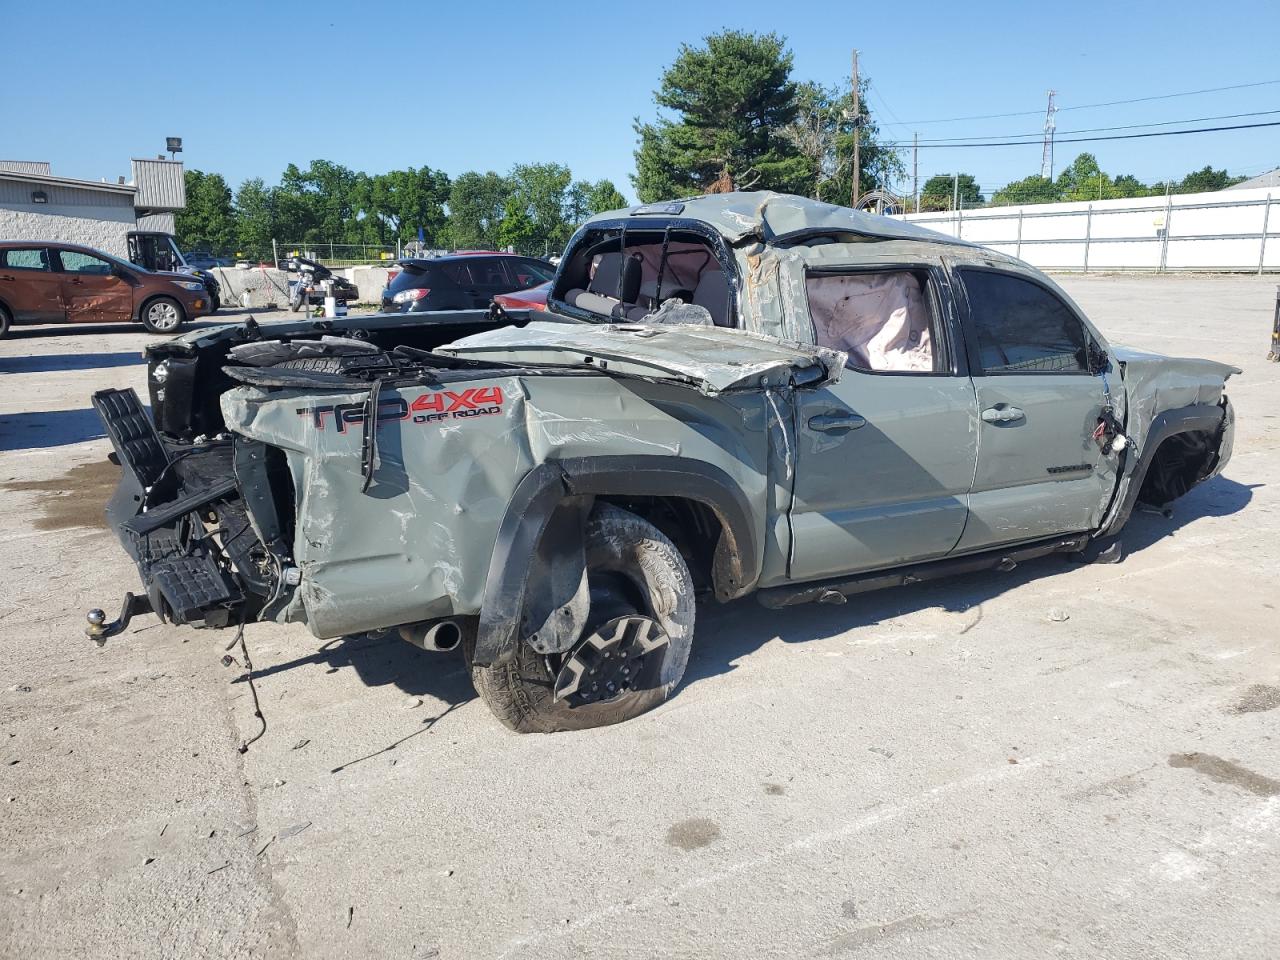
(1125, 136)
(1090, 106)
(1127, 126)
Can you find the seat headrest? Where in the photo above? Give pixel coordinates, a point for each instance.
(605, 282)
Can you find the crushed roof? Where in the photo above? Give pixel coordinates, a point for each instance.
(768, 216)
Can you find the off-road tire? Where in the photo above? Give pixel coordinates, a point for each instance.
(519, 692)
(163, 315)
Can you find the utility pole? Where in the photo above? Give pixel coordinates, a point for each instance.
(1046, 158)
(955, 191)
(915, 169)
(856, 190)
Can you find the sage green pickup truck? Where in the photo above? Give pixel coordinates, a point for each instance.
(746, 393)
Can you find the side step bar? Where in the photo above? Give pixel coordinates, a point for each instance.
(839, 590)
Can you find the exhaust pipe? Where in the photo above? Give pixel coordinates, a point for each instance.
(439, 636)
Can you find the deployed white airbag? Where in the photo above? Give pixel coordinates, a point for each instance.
(880, 319)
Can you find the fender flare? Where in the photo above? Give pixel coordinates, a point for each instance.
(543, 490)
(1201, 416)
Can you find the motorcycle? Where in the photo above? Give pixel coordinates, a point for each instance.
(316, 282)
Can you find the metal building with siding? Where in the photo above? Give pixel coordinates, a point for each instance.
(36, 205)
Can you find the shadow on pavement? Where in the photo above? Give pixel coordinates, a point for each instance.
(58, 362)
(92, 329)
(381, 659)
(727, 633)
(49, 428)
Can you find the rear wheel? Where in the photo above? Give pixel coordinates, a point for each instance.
(163, 315)
(5, 320)
(633, 651)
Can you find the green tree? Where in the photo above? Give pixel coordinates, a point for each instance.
(208, 220)
(517, 229)
(540, 194)
(1205, 180)
(1032, 189)
(477, 202)
(730, 99)
(603, 195)
(255, 218)
(319, 204)
(396, 203)
(939, 191)
(1127, 185)
(1084, 180)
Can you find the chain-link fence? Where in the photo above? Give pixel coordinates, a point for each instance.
(373, 254)
(338, 254)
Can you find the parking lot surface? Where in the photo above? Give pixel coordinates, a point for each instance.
(1065, 760)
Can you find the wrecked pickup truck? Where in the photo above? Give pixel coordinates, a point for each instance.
(732, 394)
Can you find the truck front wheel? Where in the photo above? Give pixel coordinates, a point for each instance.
(633, 651)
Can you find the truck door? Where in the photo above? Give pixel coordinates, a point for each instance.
(886, 455)
(1040, 473)
(92, 291)
(29, 286)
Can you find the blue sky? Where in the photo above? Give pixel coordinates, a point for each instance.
(477, 85)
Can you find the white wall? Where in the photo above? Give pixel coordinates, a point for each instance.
(105, 228)
(1221, 230)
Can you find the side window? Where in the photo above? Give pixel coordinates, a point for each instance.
(73, 261)
(884, 321)
(488, 272)
(1022, 327)
(24, 258)
(529, 273)
(459, 271)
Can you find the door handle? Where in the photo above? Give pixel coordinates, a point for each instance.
(1002, 414)
(75, 280)
(6, 277)
(827, 422)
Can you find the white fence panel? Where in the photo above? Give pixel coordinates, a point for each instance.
(1229, 230)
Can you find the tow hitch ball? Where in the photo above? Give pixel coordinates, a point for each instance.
(99, 630)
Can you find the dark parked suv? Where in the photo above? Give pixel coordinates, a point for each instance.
(461, 281)
(66, 283)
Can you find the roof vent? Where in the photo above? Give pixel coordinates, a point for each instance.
(651, 209)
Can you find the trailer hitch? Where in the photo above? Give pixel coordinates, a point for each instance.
(99, 630)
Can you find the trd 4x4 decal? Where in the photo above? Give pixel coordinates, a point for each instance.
(434, 407)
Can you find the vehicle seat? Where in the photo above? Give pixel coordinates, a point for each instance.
(713, 293)
(601, 295)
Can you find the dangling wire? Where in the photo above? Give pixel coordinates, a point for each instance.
(782, 425)
(253, 690)
(662, 266)
(622, 259)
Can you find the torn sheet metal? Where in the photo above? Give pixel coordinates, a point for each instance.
(714, 359)
(1155, 383)
(418, 545)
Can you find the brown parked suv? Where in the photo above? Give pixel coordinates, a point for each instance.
(64, 283)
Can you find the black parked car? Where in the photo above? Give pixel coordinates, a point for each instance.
(461, 281)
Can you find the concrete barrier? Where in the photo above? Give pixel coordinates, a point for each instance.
(253, 287)
(370, 281)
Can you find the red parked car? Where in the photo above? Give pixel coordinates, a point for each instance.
(535, 298)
